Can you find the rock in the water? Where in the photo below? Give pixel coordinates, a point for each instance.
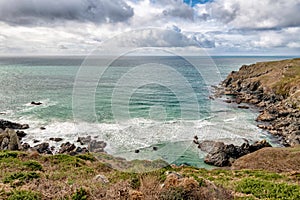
(96, 146)
(25, 146)
(221, 155)
(43, 148)
(21, 134)
(243, 107)
(136, 151)
(84, 140)
(56, 139)
(36, 103)
(67, 147)
(11, 125)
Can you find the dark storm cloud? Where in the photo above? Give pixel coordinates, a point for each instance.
(41, 12)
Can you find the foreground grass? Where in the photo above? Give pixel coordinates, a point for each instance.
(32, 176)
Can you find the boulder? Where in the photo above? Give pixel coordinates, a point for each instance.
(9, 140)
(43, 148)
(96, 146)
(101, 178)
(67, 148)
(36, 103)
(21, 134)
(56, 139)
(84, 140)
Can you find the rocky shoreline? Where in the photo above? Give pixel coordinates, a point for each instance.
(274, 88)
(11, 135)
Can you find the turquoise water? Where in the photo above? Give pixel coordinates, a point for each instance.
(126, 114)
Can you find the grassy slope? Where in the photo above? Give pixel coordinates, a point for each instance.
(280, 77)
(67, 177)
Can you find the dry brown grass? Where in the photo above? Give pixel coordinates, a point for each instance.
(271, 159)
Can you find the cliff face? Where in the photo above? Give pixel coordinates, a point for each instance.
(275, 88)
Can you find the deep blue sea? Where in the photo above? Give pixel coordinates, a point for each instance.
(136, 102)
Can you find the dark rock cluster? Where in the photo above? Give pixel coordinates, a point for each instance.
(220, 154)
(11, 136)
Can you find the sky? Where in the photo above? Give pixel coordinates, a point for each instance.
(220, 27)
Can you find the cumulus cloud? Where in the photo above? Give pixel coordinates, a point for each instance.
(41, 12)
(160, 38)
(283, 38)
(77, 26)
(263, 14)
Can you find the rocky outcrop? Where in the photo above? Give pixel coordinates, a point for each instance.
(12, 125)
(274, 87)
(220, 154)
(9, 140)
(43, 148)
(93, 145)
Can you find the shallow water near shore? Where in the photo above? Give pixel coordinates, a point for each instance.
(50, 80)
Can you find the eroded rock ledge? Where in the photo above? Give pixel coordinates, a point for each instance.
(274, 87)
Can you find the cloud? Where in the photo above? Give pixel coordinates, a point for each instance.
(78, 26)
(178, 9)
(283, 38)
(43, 12)
(160, 38)
(263, 14)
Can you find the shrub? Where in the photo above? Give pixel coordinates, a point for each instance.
(86, 156)
(33, 165)
(8, 154)
(21, 176)
(80, 194)
(265, 189)
(24, 195)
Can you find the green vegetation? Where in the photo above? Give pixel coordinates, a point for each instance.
(8, 154)
(268, 190)
(20, 178)
(33, 165)
(73, 177)
(80, 194)
(24, 195)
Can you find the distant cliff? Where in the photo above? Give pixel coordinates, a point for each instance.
(275, 88)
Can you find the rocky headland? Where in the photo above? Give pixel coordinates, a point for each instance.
(274, 88)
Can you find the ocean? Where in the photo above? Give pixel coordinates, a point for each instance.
(137, 102)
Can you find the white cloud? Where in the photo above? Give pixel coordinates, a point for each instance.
(221, 26)
(263, 14)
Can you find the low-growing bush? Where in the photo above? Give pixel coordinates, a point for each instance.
(80, 194)
(21, 177)
(265, 189)
(24, 195)
(33, 165)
